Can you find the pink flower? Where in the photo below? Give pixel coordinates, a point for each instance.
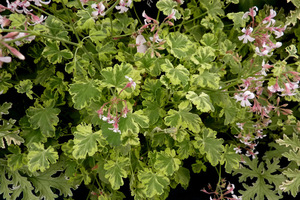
(4, 21)
(36, 20)
(270, 18)
(264, 51)
(123, 5)
(40, 2)
(244, 98)
(275, 88)
(99, 9)
(115, 127)
(246, 36)
(278, 31)
(251, 12)
(4, 59)
(14, 51)
(131, 83)
(140, 40)
(155, 38)
(23, 5)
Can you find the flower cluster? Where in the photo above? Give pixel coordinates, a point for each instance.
(20, 7)
(113, 114)
(155, 42)
(261, 33)
(123, 5)
(222, 191)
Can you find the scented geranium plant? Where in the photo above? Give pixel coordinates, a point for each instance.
(103, 95)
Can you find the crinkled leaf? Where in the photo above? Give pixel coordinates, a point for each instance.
(182, 176)
(40, 158)
(4, 108)
(4, 84)
(201, 101)
(180, 45)
(293, 17)
(292, 185)
(207, 79)
(15, 160)
(167, 7)
(9, 134)
(83, 93)
(154, 183)
(231, 159)
(290, 142)
(210, 146)
(214, 8)
(183, 118)
(204, 57)
(115, 76)
(17, 20)
(230, 114)
(237, 19)
(85, 141)
(166, 162)
(43, 118)
(25, 86)
(44, 182)
(198, 167)
(178, 75)
(54, 54)
(184, 149)
(116, 171)
(133, 121)
(266, 182)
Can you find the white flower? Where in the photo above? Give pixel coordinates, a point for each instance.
(123, 6)
(243, 97)
(246, 37)
(99, 9)
(140, 40)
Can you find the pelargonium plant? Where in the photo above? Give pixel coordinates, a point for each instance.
(125, 103)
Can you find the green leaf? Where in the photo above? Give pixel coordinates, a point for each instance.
(230, 114)
(83, 93)
(25, 86)
(180, 45)
(182, 176)
(45, 182)
(85, 141)
(214, 8)
(9, 133)
(210, 146)
(292, 185)
(116, 171)
(56, 27)
(154, 183)
(266, 182)
(207, 79)
(166, 162)
(295, 2)
(43, 118)
(294, 143)
(40, 158)
(293, 17)
(113, 138)
(166, 6)
(231, 159)
(184, 149)
(209, 39)
(204, 57)
(4, 84)
(115, 76)
(4, 109)
(198, 166)
(152, 111)
(86, 21)
(22, 186)
(202, 102)
(183, 118)
(17, 20)
(15, 160)
(237, 19)
(292, 51)
(178, 75)
(54, 54)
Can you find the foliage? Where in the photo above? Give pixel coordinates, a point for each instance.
(94, 93)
